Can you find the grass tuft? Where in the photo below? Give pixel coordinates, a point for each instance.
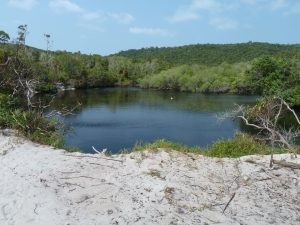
(240, 145)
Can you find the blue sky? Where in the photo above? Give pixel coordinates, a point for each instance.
(108, 26)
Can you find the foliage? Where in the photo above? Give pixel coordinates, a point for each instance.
(46, 87)
(240, 145)
(210, 54)
(165, 144)
(4, 37)
(195, 68)
(19, 74)
(199, 68)
(276, 76)
(220, 79)
(29, 123)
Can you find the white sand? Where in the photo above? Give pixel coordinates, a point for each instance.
(41, 185)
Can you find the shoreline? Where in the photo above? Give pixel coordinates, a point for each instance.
(43, 185)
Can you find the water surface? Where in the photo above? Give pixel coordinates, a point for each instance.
(116, 118)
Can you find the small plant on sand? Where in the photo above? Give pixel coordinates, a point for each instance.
(166, 145)
(205, 206)
(155, 173)
(168, 191)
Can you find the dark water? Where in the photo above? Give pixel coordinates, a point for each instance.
(115, 118)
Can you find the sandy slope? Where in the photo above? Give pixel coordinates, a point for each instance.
(41, 185)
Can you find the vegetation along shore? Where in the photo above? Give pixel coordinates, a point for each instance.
(270, 70)
(152, 183)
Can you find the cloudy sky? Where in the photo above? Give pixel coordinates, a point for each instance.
(108, 26)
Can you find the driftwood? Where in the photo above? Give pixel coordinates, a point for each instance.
(284, 163)
(229, 202)
(87, 156)
(103, 151)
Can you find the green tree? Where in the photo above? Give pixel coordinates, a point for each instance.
(4, 37)
(275, 76)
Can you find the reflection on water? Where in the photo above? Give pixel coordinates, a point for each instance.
(115, 118)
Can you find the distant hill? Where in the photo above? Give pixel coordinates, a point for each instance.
(211, 54)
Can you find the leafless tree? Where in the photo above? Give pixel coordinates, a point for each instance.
(265, 116)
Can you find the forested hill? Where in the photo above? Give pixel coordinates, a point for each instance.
(211, 54)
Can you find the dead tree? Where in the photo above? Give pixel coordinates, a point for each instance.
(264, 116)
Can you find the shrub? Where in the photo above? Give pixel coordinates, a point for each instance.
(238, 146)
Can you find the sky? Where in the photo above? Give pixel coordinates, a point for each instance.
(106, 27)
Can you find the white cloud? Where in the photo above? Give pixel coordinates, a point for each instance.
(23, 4)
(251, 2)
(278, 4)
(184, 14)
(191, 12)
(91, 26)
(98, 16)
(65, 5)
(205, 5)
(90, 16)
(224, 23)
(94, 16)
(294, 9)
(122, 17)
(149, 31)
(272, 5)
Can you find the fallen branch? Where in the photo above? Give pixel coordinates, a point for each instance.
(83, 156)
(96, 150)
(67, 183)
(35, 209)
(103, 165)
(229, 202)
(284, 163)
(71, 172)
(79, 177)
(103, 151)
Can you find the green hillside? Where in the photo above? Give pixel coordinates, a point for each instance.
(211, 54)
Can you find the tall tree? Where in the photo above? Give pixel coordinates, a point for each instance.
(275, 76)
(4, 37)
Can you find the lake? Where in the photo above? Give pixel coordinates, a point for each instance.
(116, 118)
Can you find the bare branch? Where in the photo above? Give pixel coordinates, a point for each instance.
(265, 116)
(63, 112)
(9, 59)
(289, 108)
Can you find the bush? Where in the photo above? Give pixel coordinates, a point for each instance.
(240, 145)
(30, 123)
(46, 87)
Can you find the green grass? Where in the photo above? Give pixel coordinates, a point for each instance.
(238, 146)
(166, 145)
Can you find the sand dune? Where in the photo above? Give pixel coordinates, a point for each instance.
(41, 185)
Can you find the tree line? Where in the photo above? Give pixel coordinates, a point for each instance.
(211, 54)
(79, 70)
(270, 74)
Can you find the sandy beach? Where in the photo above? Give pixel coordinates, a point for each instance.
(41, 185)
